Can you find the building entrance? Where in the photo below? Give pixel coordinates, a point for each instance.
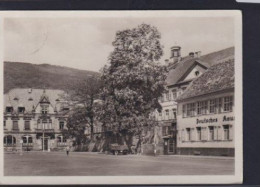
(169, 146)
(45, 144)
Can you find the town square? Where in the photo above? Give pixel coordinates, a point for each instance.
(124, 96)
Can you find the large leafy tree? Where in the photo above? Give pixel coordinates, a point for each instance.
(82, 94)
(133, 81)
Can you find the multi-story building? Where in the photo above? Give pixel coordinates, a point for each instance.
(206, 113)
(34, 119)
(182, 71)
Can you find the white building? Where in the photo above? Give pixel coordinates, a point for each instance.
(205, 117)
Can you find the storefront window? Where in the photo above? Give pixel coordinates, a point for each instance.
(198, 133)
(226, 132)
(188, 134)
(211, 133)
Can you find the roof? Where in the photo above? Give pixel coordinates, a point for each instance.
(218, 77)
(30, 98)
(187, 62)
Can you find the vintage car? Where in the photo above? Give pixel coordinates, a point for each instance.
(118, 149)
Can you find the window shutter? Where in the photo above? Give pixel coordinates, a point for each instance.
(220, 133)
(215, 130)
(231, 132)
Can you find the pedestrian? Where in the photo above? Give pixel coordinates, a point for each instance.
(67, 150)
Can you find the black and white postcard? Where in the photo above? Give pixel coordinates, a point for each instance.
(121, 97)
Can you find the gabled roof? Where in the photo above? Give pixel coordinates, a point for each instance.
(31, 99)
(175, 75)
(218, 77)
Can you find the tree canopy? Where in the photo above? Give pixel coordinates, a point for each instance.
(133, 79)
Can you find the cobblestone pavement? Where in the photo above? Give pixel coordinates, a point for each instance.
(89, 164)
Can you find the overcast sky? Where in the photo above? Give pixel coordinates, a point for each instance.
(85, 43)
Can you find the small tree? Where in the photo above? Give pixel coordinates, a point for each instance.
(133, 81)
(82, 95)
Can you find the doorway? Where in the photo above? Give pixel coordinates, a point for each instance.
(45, 144)
(169, 146)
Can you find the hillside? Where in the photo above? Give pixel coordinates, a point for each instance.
(26, 75)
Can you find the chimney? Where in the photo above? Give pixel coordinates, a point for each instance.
(175, 54)
(198, 54)
(191, 54)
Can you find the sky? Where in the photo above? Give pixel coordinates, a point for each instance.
(85, 43)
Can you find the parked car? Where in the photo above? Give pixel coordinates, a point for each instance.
(118, 149)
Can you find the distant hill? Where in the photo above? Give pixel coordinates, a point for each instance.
(26, 75)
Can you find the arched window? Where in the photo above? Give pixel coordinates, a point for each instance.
(27, 139)
(30, 140)
(9, 140)
(24, 139)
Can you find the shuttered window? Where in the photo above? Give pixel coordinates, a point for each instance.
(198, 133)
(220, 133)
(15, 125)
(27, 125)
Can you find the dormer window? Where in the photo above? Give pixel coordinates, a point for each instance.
(21, 109)
(44, 109)
(9, 109)
(16, 99)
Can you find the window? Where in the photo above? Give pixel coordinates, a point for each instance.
(188, 133)
(197, 73)
(167, 95)
(204, 135)
(24, 139)
(21, 109)
(228, 104)
(184, 111)
(198, 133)
(15, 125)
(202, 107)
(9, 140)
(61, 125)
(30, 140)
(4, 123)
(213, 106)
(174, 94)
(191, 109)
(161, 99)
(226, 132)
(9, 109)
(167, 130)
(160, 113)
(27, 125)
(61, 139)
(211, 133)
(44, 109)
(167, 112)
(174, 113)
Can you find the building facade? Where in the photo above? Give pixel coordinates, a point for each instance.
(182, 72)
(205, 117)
(34, 119)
